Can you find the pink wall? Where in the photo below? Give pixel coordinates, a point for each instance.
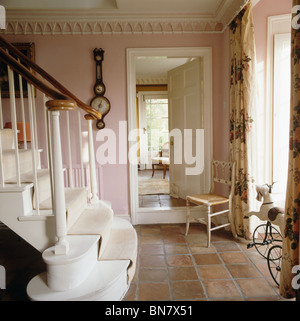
(70, 60)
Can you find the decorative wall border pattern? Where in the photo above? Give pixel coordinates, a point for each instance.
(153, 80)
(110, 27)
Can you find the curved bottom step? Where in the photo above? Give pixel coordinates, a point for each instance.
(106, 282)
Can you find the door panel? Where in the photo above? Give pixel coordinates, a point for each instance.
(186, 119)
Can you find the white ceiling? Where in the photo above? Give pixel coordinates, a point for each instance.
(208, 8)
(154, 70)
(217, 10)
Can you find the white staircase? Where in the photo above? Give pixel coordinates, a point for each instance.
(90, 253)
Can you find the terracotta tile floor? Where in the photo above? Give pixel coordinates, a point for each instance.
(158, 200)
(170, 266)
(174, 267)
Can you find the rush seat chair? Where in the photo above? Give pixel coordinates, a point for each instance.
(223, 173)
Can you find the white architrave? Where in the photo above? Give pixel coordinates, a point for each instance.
(161, 215)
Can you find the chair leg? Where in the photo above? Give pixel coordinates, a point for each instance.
(208, 225)
(187, 218)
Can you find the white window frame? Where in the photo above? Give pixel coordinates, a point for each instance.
(145, 160)
(279, 24)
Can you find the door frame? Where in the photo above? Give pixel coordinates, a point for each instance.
(161, 215)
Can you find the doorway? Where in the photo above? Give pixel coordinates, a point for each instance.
(165, 214)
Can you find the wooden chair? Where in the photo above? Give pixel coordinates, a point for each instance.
(224, 173)
(163, 159)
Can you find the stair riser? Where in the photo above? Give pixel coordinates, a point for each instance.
(68, 275)
(9, 163)
(40, 233)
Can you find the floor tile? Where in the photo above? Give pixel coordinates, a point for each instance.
(207, 258)
(184, 290)
(152, 261)
(176, 249)
(173, 238)
(154, 291)
(226, 246)
(179, 260)
(243, 271)
(255, 287)
(182, 273)
(151, 239)
(234, 257)
(152, 249)
(221, 289)
(153, 275)
(213, 272)
(199, 248)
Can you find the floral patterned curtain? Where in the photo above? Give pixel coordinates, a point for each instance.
(242, 100)
(290, 251)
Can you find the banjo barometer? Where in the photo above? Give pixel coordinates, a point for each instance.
(100, 102)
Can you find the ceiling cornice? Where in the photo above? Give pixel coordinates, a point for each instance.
(85, 22)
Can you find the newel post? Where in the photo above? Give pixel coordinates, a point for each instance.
(92, 162)
(58, 202)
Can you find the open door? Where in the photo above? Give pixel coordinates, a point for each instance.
(186, 125)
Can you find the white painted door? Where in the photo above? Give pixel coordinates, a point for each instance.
(186, 124)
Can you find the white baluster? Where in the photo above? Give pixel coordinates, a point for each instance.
(80, 148)
(34, 117)
(23, 110)
(71, 181)
(93, 177)
(48, 142)
(14, 121)
(46, 128)
(33, 148)
(62, 245)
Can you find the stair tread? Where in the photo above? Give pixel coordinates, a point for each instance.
(122, 245)
(28, 176)
(71, 195)
(92, 221)
(122, 241)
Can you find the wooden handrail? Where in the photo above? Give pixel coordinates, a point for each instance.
(90, 110)
(30, 77)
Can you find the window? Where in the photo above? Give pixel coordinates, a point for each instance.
(157, 124)
(281, 110)
(277, 117)
(153, 124)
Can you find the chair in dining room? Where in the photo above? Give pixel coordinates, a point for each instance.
(221, 172)
(162, 159)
